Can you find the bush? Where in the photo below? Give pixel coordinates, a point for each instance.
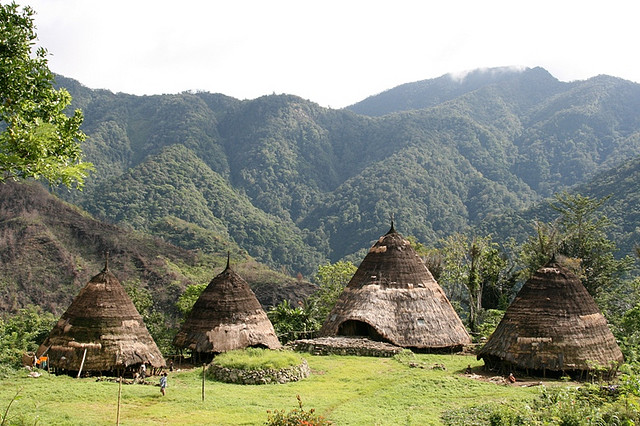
(296, 417)
(489, 320)
(585, 405)
(405, 357)
(23, 332)
(293, 323)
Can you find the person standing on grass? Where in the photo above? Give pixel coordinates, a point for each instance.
(163, 383)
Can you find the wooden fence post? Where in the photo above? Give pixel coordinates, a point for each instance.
(119, 393)
(203, 370)
(84, 356)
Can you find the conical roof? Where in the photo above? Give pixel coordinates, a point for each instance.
(226, 316)
(393, 297)
(553, 324)
(103, 320)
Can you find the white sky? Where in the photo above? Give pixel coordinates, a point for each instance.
(333, 52)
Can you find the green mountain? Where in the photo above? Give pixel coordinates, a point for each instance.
(296, 184)
(424, 94)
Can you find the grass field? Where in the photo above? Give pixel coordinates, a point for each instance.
(347, 390)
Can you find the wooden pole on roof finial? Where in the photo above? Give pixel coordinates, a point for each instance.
(392, 218)
(106, 260)
(228, 258)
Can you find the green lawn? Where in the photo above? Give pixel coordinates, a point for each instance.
(347, 390)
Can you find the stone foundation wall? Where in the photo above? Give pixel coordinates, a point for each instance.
(344, 346)
(259, 377)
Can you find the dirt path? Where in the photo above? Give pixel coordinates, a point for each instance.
(479, 373)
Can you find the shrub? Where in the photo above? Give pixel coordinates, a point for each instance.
(296, 417)
(23, 332)
(586, 405)
(293, 323)
(405, 357)
(489, 320)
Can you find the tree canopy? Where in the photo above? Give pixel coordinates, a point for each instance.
(38, 139)
(578, 233)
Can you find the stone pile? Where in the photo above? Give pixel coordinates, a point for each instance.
(345, 346)
(259, 377)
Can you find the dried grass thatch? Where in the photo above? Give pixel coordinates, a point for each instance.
(103, 321)
(226, 316)
(553, 324)
(393, 297)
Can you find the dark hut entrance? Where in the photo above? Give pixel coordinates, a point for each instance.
(354, 328)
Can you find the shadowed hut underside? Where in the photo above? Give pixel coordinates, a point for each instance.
(553, 325)
(226, 316)
(393, 297)
(101, 332)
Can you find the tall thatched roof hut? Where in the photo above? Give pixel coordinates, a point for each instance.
(226, 316)
(393, 297)
(553, 325)
(101, 332)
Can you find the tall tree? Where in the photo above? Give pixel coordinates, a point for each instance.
(585, 238)
(579, 233)
(38, 139)
(538, 249)
(471, 264)
(333, 278)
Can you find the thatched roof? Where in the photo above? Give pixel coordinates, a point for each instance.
(103, 320)
(226, 316)
(553, 324)
(393, 297)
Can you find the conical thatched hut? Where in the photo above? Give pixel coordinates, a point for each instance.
(393, 297)
(226, 316)
(553, 325)
(101, 332)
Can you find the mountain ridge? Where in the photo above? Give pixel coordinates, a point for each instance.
(333, 177)
(432, 92)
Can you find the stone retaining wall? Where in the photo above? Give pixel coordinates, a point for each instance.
(344, 346)
(259, 377)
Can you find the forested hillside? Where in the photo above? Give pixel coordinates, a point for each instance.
(619, 187)
(50, 249)
(296, 184)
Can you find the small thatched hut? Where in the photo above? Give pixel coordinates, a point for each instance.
(226, 316)
(553, 325)
(101, 332)
(393, 297)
